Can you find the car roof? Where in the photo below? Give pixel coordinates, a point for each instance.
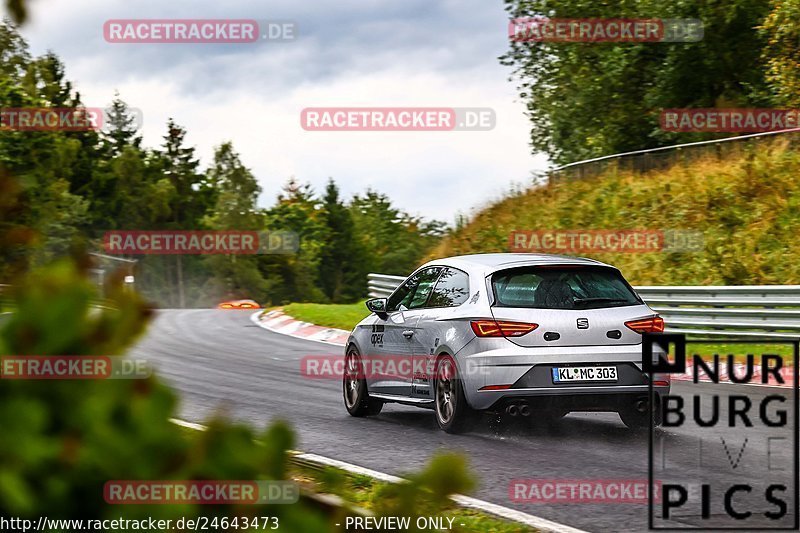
(492, 262)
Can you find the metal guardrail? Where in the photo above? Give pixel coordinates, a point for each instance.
(382, 285)
(735, 311)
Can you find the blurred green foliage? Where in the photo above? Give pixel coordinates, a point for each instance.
(62, 440)
(426, 492)
(419, 496)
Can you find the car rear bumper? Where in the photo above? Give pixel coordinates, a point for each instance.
(493, 376)
(544, 406)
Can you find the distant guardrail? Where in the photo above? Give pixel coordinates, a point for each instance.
(734, 311)
(666, 156)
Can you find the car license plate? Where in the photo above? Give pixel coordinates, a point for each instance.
(571, 374)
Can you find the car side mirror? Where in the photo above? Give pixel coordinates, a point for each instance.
(378, 306)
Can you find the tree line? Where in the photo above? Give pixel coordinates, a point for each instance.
(61, 190)
(593, 99)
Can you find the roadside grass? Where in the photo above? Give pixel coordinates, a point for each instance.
(740, 351)
(342, 316)
(367, 493)
(364, 492)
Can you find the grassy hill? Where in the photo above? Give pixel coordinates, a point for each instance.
(747, 206)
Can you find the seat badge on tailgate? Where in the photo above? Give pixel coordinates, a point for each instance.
(583, 323)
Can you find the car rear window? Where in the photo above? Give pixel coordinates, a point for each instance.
(564, 287)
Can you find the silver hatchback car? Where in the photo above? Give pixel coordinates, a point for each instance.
(523, 335)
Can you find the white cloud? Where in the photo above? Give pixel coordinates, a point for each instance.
(356, 53)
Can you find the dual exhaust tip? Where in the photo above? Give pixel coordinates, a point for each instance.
(519, 409)
(524, 410)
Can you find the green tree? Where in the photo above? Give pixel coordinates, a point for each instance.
(237, 192)
(47, 164)
(193, 197)
(194, 193)
(46, 77)
(14, 53)
(782, 51)
(138, 196)
(592, 99)
(393, 241)
(342, 274)
(297, 210)
(235, 209)
(122, 128)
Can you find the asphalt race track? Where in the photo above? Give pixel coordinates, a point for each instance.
(220, 361)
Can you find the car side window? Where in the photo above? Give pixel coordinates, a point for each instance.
(451, 290)
(414, 292)
(400, 294)
(426, 282)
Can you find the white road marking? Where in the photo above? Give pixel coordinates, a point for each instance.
(189, 425)
(506, 513)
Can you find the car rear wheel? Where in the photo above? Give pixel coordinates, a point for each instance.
(453, 414)
(354, 387)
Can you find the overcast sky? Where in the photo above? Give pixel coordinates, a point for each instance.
(354, 53)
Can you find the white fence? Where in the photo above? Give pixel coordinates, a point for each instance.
(736, 311)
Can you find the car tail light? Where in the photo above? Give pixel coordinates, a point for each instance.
(661, 379)
(654, 324)
(501, 328)
(226, 306)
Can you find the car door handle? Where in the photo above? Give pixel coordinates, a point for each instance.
(408, 333)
